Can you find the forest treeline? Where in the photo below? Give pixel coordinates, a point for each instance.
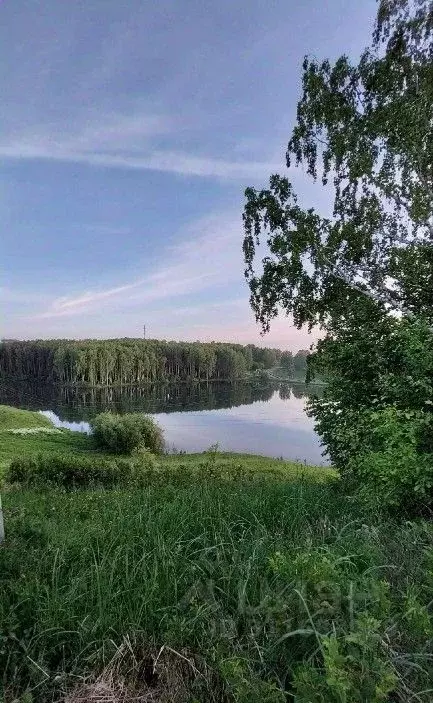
(135, 361)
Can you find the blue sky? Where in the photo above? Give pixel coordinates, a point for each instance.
(128, 133)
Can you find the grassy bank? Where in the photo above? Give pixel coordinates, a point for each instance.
(26, 433)
(14, 445)
(15, 418)
(227, 578)
(241, 583)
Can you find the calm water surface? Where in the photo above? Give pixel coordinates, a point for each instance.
(237, 417)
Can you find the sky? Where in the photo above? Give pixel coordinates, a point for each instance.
(128, 134)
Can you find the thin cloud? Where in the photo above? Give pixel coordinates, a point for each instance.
(180, 163)
(66, 305)
(209, 256)
(104, 229)
(126, 142)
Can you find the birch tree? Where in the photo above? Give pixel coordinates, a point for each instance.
(365, 130)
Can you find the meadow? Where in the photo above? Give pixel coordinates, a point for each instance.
(225, 578)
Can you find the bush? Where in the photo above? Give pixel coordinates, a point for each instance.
(375, 417)
(121, 434)
(75, 471)
(370, 366)
(396, 466)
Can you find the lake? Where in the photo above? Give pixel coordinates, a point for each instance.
(238, 417)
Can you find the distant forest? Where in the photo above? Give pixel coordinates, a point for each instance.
(135, 361)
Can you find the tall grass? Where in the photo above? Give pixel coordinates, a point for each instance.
(253, 579)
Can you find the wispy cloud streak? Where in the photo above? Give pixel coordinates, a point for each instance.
(67, 306)
(127, 142)
(208, 257)
(164, 161)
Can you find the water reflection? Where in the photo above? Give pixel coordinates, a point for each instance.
(237, 416)
(277, 427)
(77, 404)
(57, 422)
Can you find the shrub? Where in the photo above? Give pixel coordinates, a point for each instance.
(75, 471)
(375, 417)
(121, 434)
(371, 365)
(396, 466)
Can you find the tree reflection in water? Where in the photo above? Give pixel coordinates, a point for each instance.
(76, 404)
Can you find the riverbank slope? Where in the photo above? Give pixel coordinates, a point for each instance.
(264, 584)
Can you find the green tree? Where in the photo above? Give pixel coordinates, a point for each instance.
(366, 131)
(300, 362)
(286, 362)
(123, 362)
(364, 274)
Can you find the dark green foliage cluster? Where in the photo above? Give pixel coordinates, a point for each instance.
(286, 362)
(71, 471)
(286, 591)
(130, 361)
(295, 365)
(397, 469)
(375, 415)
(122, 434)
(300, 362)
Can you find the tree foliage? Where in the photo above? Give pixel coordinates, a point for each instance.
(366, 131)
(370, 367)
(365, 272)
(286, 362)
(130, 361)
